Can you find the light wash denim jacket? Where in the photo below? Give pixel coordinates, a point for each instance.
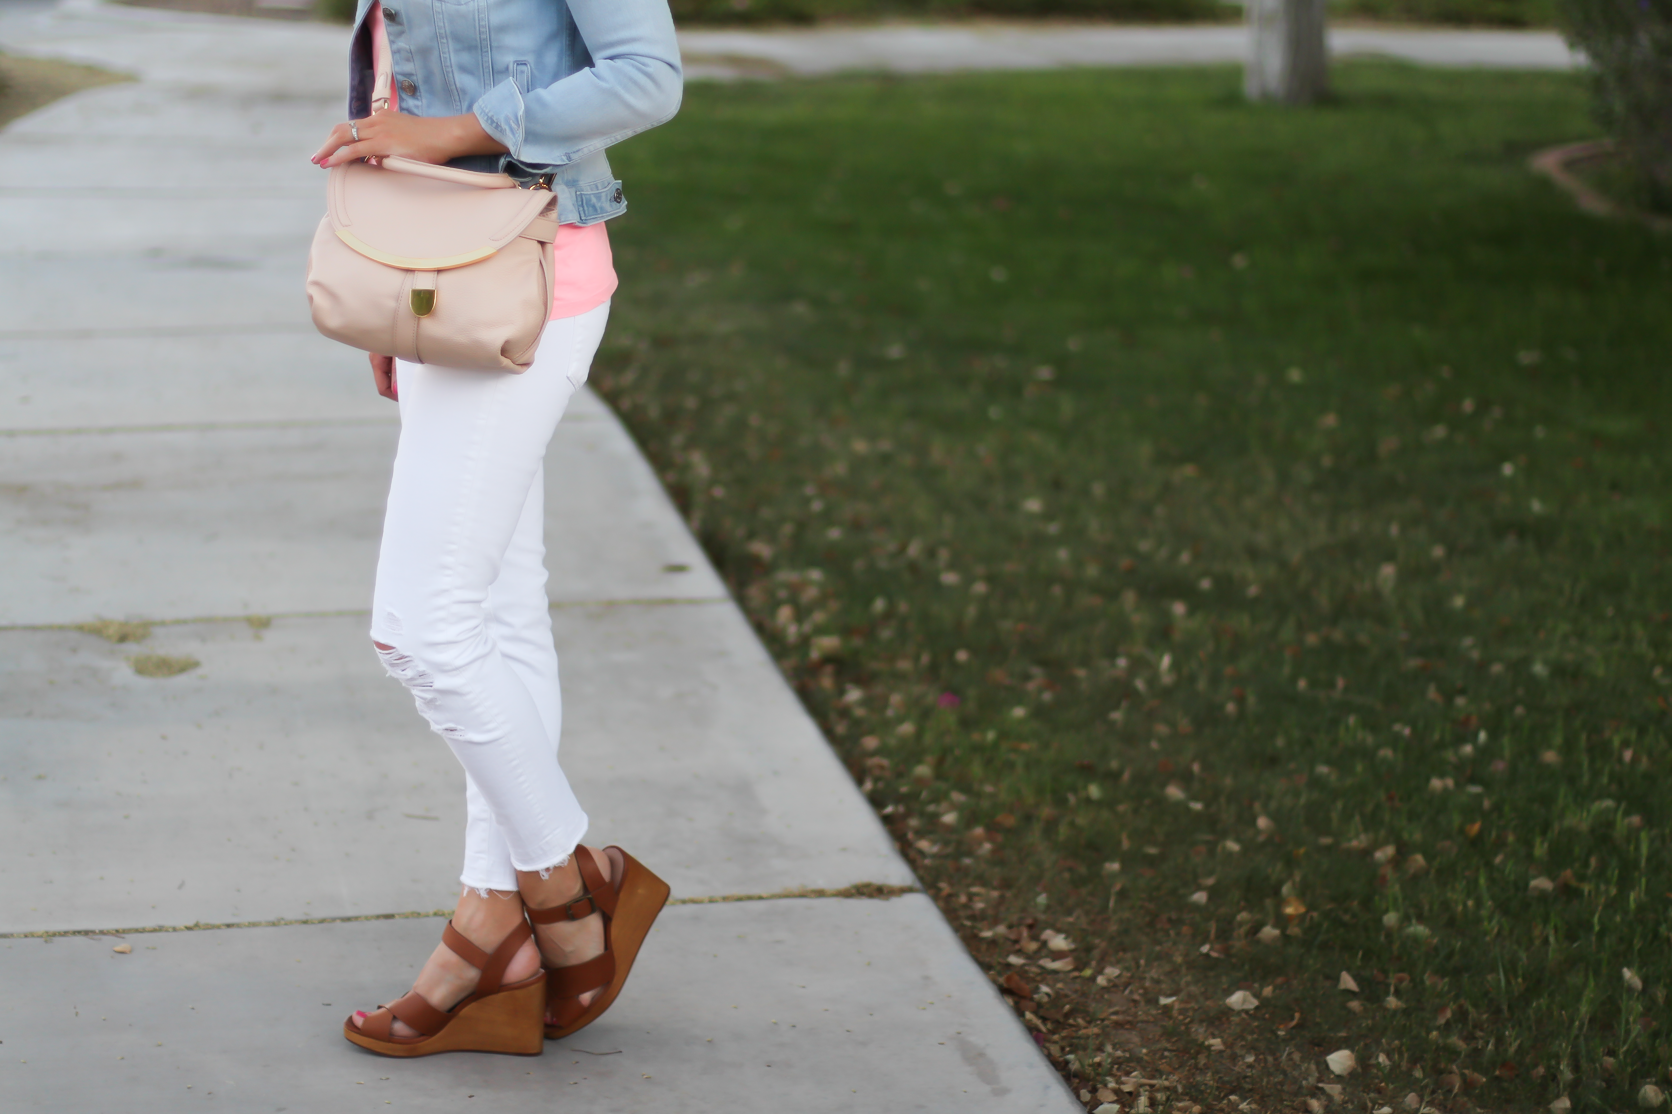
(555, 81)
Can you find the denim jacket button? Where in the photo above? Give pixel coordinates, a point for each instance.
(617, 197)
(390, 15)
(408, 86)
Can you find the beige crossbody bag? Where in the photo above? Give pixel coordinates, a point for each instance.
(431, 264)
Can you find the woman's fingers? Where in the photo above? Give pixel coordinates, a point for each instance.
(342, 146)
(366, 148)
(340, 136)
(383, 374)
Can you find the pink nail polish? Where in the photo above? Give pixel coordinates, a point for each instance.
(359, 1013)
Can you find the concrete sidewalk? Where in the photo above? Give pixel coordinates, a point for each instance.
(178, 447)
(909, 48)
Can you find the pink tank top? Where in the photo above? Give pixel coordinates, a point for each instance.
(583, 268)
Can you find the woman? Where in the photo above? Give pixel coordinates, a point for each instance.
(536, 89)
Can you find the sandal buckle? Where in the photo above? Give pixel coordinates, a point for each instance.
(585, 899)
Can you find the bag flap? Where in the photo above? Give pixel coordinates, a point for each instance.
(430, 219)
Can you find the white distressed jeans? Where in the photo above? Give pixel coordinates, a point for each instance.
(461, 592)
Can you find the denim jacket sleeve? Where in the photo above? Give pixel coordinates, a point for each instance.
(634, 83)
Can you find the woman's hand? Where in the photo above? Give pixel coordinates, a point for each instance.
(435, 139)
(383, 374)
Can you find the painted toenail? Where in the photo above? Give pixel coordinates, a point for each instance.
(359, 1013)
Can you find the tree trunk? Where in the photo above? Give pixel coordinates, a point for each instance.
(1288, 59)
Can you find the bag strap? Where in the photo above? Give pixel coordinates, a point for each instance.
(383, 79)
(542, 229)
(383, 82)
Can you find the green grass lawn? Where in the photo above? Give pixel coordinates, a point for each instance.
(1191, 520)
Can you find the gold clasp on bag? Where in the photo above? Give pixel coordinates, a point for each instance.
(423, 293)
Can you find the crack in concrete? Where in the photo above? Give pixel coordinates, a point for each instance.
(264, 620)
(867, 891)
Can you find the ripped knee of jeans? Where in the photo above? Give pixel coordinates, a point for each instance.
(421, 684)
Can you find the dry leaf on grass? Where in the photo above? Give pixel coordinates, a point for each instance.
(1056, 941)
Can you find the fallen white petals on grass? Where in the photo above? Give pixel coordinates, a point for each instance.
(1650, 1097)
(1057, 964)
(1174, 792)
(1633, 983)
(1333, 1090)
(1342, 1062)
(1016, 960)
(1347, 983)
(1200, 897)
(1269, 935)
(123, 949)
(1242, 1000)
(1166, 1001)
(1561, 1106)
(1540, 885)
(1215, 1044)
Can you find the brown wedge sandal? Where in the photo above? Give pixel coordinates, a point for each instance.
(493, 1018)
(629, 901)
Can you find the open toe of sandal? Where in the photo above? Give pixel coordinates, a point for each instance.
(495, 1017)
(629, 900)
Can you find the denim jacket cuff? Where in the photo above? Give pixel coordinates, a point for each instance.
(501, 114)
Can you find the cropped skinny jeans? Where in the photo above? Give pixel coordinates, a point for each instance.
(461, 592)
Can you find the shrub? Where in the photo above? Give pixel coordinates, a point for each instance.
(1629, 43)
(335, 11)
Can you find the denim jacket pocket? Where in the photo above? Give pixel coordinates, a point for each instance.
(598, 201)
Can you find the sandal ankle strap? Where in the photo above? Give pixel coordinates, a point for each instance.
(598, 897)
(578, 909)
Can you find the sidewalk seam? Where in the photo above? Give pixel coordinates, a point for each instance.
(256, 619)
(864, 891)
(215, 427)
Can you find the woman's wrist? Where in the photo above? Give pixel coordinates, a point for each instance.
(469, 137)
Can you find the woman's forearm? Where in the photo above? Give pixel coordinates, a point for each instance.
(634, 83)
(436, 139)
